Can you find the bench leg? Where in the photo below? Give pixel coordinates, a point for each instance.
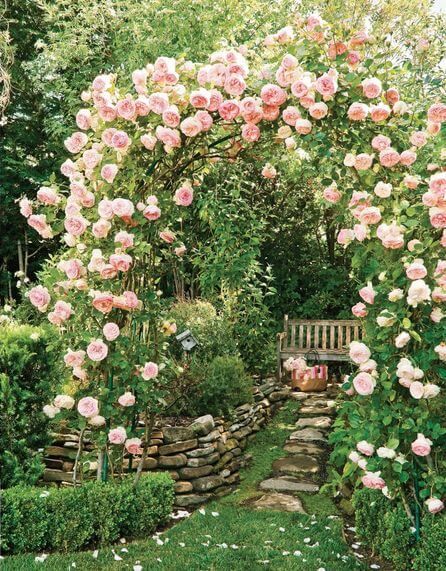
(279, 365)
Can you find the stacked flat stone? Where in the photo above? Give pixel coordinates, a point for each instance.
(204, 458)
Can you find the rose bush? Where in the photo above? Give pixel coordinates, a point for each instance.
(138, 161)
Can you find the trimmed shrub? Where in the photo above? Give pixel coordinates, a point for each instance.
(225, 386)
(96, 513)
(384, 526)
(29, 373)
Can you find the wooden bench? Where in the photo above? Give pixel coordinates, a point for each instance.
(329, 338)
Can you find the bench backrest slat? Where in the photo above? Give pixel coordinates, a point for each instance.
(325, 335)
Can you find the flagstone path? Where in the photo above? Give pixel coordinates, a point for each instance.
(302, 467)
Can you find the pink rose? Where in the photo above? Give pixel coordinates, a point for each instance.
(124, 238)
(363, 161)
(149, 141)
(149, 371)
(120, 140)
(379, 112)
(127, 399)
(437, 113)
(359, 352)
(381, 142)
(107, 136)
(290, 115)
(103, 302)
(407, 158)
(234, 84)
(62, 311)
(416, 390)
(108, 272)
(184, 195)
(332, 194)
(345, 236)
(418, 138)
(88, 407)
(158, 102)
(270, 112)
(373, 481)
(152, 212)
(76, 142)
(101, 228)
(437, 183)
(105, 209)
(121, 262)
(392, 96)
(200, 98)
(389, 157)
(74, 358)
(190, 127)
(133, 446)
(303, 126)
(123, 207)
(326, 85)
(300, 87)
(353, 58)
(336, 49)
(273, 95)
(438, 217)
(25, 207)
(39, 224)
(48, 196)
(126, 109)
(171, 116)
(269, 171)
(434, 505)
(180, 250)
(39, 297)
(250, 132)
(205, 120)
(318, 110)
(421, 446)
(364, 383)
(167, 236)
(371, 87)
(97, 350)
(169, 137)
(370, 215)
(97, 420)
(111, 331)
(229, 110)
(357, 111)
(359, 310)
(416, 270)
(91, 158)
(365, 448)
(75, 225)
(360, 231)
(117, 435)
(83, 119)
(109, 171)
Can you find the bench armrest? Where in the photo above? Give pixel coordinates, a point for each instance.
(280, 338)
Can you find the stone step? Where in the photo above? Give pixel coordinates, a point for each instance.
(279, 502)
(298, 464)
(308, 435)
(288, 484)
(321, 422)
(295, 447)
(312, 410)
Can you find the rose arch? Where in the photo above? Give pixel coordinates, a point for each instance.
(137, 164)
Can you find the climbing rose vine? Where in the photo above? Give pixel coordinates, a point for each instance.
(137, 164)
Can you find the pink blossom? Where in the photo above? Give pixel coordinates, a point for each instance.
(407, 158)
(25, 207)
(290, 115)
(357, 111)
(269, 171)
(111, 331)
(75, 225)
(250, 132)
(158, 102)
(326, 85)
(103, 302)
(216, 99)
(273, 95)
(91, 158)
(167, 236)
(363, 161)
(270, 112)
(127, 301)
(359, 310)
(39, 297)
(180, 250)
(101, 228)
(379, 112)
(105, 209)
(438, 217)
(76, 142)
(205, 120)
(107, 113)
(133, 446)
(416, 390)
(83, 119)
(389, 157)
(109, 171)
(169, 137)
(381, 142)
(123, 207)
(332, 194)
(229, 110)
(126, 109)
(318, 110)
(125, 239)
(437, 113)
(365, 448)
(47, 195)
(370, 215)
(184, 195)
(96, 421)
(234, 84)
(345, 236)
(149, 371)
(434, 505)
(437, 183)
(97, 350)
(39, 224)
(120, 140)
(74, 358)
(303, 126)
(117, 435)
(373, 481)
(171, 116)
(127, 399)
(121, 262)
(88, 407)
(152, 212)
(353, 58)
(359, 352)
(300, 87)
(142, 106)
(421, 446)
(73, 268)
(149, 141)
(371, 87)
(392, 96)
(418, 138)
(108, 272)
(62, 312)
(416, 270)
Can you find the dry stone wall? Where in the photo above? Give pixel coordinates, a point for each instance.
(203, 458)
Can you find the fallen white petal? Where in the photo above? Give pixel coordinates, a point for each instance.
(215, 514)
(95, 554)
(297, 553)
(307, 540)
(137, 567)
(202, 511)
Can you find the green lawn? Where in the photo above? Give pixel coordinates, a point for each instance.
(226, 535)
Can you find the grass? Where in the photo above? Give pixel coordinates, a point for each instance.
(226, 535)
